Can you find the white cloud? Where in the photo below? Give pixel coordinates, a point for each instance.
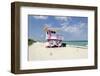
(48, 25)
(65, 24)
(61, 18)
(40, 17)
(75, 28)
(41, 35)
(70, 29)
(82, 25)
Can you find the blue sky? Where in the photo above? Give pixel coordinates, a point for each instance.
(71, 27)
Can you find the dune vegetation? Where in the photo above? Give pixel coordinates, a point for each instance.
(31, 41)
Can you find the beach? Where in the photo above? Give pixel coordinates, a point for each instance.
(38, 51)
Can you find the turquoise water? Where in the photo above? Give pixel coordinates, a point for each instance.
(77, 43)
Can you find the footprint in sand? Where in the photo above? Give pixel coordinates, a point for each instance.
(51, 53)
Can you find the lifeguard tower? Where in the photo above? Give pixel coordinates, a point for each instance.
(53, 39)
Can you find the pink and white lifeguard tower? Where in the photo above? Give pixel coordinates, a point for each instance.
(53, 39)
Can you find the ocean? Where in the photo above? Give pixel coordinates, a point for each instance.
(78, 44)
(83, 44)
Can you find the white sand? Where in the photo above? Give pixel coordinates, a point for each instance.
(38, 51)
